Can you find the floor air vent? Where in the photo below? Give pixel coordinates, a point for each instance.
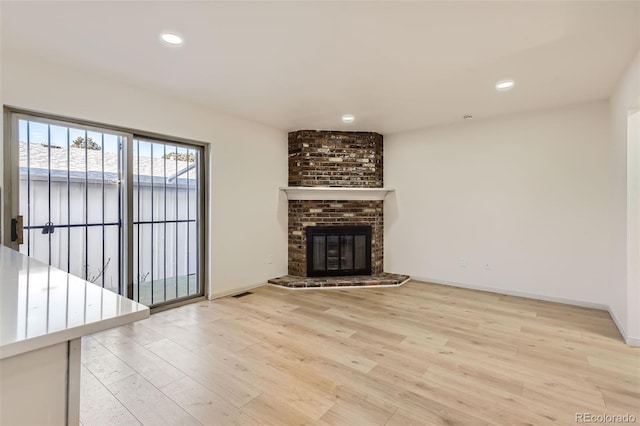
(246, 293)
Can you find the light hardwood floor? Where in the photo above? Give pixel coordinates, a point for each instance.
(419, 354)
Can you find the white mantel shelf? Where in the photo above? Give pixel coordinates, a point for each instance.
(331, 193)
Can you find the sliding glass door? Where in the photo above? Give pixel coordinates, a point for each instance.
(121, 211)
(166, 221)
(69, 197)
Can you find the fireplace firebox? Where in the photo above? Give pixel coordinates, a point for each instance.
(338, 251)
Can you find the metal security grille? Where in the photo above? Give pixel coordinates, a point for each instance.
(70, 196)
(166, 221)
(122, 211)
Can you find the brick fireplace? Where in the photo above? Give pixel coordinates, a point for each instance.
(304, 213)
(335, 180)
(334, 159)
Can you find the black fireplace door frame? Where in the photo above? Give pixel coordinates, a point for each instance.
(339, 231)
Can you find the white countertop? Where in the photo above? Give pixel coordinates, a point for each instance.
(42, 306)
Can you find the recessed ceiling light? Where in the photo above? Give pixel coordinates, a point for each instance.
(348, 118)
(504, 85)
(171, 38)
(467, 117)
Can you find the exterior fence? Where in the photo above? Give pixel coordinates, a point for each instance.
(69, 222)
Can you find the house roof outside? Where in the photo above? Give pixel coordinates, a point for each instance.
(43, 160)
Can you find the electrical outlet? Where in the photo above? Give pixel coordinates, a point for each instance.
(270, 260)
(463, 262)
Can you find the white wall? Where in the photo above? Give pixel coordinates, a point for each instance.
(625, 282)
(633, 227)
(2, 218)
(248, 160)
(526, 193)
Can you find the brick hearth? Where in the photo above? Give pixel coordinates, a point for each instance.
(383, 279)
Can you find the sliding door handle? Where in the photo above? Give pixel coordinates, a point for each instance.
(17, 230)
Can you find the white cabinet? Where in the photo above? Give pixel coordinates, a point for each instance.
(44, 312)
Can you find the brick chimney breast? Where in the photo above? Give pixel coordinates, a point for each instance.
(334, 159)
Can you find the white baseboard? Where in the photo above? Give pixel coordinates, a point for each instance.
(618, 324)
(631, 341)
(507, 292)
(220, 294)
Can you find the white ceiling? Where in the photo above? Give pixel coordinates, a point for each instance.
(292, 65)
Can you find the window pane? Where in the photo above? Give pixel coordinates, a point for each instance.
(112, 260)
(183, 255)
(144, 257)
(144, 180)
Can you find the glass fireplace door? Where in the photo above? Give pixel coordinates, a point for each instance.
(338, 250)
